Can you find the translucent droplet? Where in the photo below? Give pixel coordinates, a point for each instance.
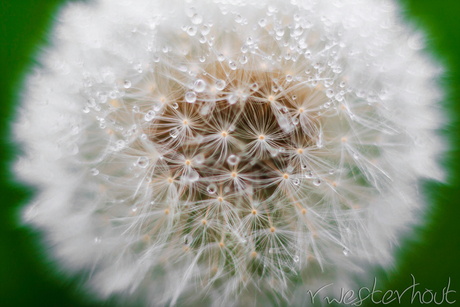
(127, 84)
(220, 85)
(295, 121)
(202, 39)
(149, 115)
(188, 239)
(192, 30)
(329, 93)
(304, 166)
(263, 22)
(309, 174)
(243, 59)
(232, 65)
(97, 240)
(136, 109)
(220, 57)
(231, 128)
(193, 176)
(205, 30)
(226, 189)
(296, 258)
(296, 181)
(121, 144)
(199, 85)
(94, 171)
(202, 59)
(317, 182)
(244, 48)
(232, 99)
(174, 133)
(254, 86)
(249, 41)
(327, 105)
(289, 78)
(212, 188)
(199, 158)
(238, 19)
(190, 97)
(197, 19)
(175, 105)
(233, 159)
(143, 162)
(345, 251)
(294, 97)
(86, 110)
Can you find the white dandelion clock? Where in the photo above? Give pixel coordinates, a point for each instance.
(228, 152)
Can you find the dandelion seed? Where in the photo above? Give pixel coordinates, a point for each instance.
(217, 144)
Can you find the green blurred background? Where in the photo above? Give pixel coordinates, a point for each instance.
(25, 277)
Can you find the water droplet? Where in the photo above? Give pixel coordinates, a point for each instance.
(149, 115)
(243, 59)
(193, 176)
(202, 39)
(280, 32)
(295, 121)
(174, 133)
(192, 30)
(86, 110)
(289, 78)
(136, 109)
(327, 105)
(232, 99)
(232, 65)
(190, 97)
(94, 171)
(205, 30)
(263, 22)
(329, 93)
(220, 57)
(296, 258)
(231, 128)
(212, 188)
(120, 144)
(127, 84)
(233, 159)
(317, 182)
(249, 41)
(254, 87)
(244, 48)
(309, 174)
(143, 162)
(202, 59)
(199, 158)
(296, 181)
(188, 239)
(345, 251)
(175, 105)
(220, 85)
(200, 85)
(294, 97)
(197, 19)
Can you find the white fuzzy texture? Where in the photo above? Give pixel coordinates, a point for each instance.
(130, 124)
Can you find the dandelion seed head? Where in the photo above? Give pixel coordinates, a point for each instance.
(228, 147)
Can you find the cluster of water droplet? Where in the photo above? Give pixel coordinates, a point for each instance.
(247, 145)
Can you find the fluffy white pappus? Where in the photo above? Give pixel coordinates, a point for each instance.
(228, 152)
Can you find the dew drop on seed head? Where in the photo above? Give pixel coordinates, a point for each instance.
(199, 85)
(295, 121)
(199, 158)
(296, 258)
(220, 57)
(212, 188)
(243, 59)
(308, 174)
(175, 105)
(193, 176)
(329, 93)
(127, 84)
(205, 30)
(232, 99)
(296, 181)
(136, 109)
(254, 87)
(188, 239)
(263, 22)
(317, 182)
(191, 30)
(202, 59)
(174, 133)
(190, 97)
(143, 162)
(149, 115)
(97, 240)
(197, 19)
(289, 78)
(244, 48)
(294, 97)
(345, 251)
(232, 65)
(94, 171)
(233, 159)
(220, 85)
